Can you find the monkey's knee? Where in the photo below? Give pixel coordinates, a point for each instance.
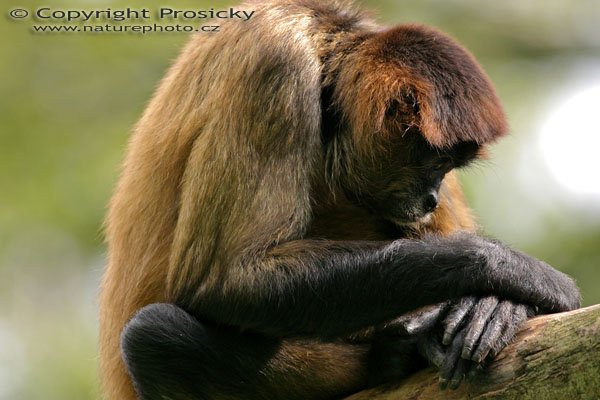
(161, 345)
(159, 329)
(169, 353)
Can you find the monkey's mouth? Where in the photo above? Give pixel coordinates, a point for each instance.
(410, 219)
(402, 210)
(398, 210)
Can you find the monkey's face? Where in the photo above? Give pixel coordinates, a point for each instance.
(402, 185)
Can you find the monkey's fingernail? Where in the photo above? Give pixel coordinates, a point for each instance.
(455, 383)
(447, 339)
(466, 352)
(471, 375)
(443, 383)
(411, 328)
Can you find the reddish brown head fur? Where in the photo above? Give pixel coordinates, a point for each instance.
(448, 96)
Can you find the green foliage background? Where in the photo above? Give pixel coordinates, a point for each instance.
(69, 100)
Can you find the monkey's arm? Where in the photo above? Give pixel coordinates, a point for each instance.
(331, 289)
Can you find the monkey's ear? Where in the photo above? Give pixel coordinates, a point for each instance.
(423, 76)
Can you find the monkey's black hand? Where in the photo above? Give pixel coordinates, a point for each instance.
(474, 331)
(459, 337)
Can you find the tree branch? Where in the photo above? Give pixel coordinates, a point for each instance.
(554, 357)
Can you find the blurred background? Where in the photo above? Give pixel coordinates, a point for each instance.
(68, 102)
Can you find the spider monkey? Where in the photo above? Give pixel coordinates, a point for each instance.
(288, 200)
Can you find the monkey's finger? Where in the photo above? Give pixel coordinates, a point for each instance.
(503, 333)
(474, 370)
(459, 373)
(493, 331)
(451, 359)
(532, 311)
(481, 314)
(419, 321)
(432, 351)
(519, 316)
(455, 318)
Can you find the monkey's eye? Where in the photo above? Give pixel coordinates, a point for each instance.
(444, 164)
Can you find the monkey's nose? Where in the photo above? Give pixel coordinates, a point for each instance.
(431, 202)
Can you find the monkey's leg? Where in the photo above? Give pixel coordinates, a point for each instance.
(170, 354)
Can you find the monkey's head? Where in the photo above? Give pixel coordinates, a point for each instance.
(413, 105)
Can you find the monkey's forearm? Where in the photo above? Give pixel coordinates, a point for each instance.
(335, 288)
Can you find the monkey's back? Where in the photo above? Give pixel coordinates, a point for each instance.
(193, 108)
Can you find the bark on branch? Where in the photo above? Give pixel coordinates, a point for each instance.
(554, 357)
